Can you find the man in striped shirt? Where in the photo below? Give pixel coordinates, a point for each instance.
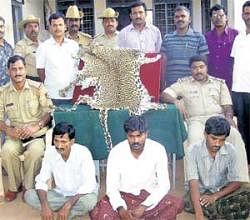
(179, 46)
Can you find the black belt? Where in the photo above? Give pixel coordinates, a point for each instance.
(32, 138)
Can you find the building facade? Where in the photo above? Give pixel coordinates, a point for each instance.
(160, 13)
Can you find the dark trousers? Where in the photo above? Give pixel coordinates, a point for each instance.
(241, 106)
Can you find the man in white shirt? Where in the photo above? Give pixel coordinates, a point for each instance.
(57, 61)
(241, 79)
(139, 34)
(72, 168)
(137, 179)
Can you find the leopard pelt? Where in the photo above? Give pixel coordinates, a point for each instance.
(115, 74)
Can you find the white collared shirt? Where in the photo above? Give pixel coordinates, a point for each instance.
(127, 174)
(241, 71)
(148, 40)
(74, 176)
(60, 64)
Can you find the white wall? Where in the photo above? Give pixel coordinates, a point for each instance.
(238, 22)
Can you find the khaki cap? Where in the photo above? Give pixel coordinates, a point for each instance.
(73, 12)
(29, 19)
(109, 13)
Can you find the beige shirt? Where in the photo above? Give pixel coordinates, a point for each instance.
(103, 39)
(201, 99)
(25, 107)
(27, 49)
(82, 39)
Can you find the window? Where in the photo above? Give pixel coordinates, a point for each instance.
(87, 7)
(164, 14)
(16, 16)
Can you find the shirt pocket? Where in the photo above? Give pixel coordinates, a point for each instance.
(33, 106)
(214, 95)
(12, 111)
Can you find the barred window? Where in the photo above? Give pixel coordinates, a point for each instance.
(164, 13)
(87, 7)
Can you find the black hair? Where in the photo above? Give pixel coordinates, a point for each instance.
(135, 123)
(2, 19)
(62, 128)
(182, 8)
(217, 7)
(246, 4)
(137, 4)
(217, 125)
(197, 58)
(14, 59)
(55, 16)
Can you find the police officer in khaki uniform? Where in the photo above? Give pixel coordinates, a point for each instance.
(28, 109)
(203, 96)
(109, 22)
(27, 47)
(73, 17)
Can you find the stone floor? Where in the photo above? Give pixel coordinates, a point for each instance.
(18, 210)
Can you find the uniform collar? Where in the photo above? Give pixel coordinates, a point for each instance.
(30, 42)
(209, 79)
(26, 86)
(69, 36)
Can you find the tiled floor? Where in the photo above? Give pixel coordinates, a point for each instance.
(18, 210)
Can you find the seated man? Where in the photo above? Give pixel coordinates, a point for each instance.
(214, 182)
(203, 96)
(72, 168)
(26, 105)
(137, 179)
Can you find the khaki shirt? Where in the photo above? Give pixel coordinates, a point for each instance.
(103, 39)
(27, 49)
(201, 99)
(82, 39)
(25, 107)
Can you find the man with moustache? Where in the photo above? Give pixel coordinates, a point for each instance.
(57, 61)
(179, 46)
(28, 108)
(73, 170)
(137, 181)
(203, 96)
(73, 19)
(139, 34)
(27, 47)
(109, 22)
(220, 41)
(6, 51)
(215, 188)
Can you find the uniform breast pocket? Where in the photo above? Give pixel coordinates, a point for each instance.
(213, 94)
(33, 106)
(12, 111)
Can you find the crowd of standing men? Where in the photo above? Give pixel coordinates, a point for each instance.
(201, 74)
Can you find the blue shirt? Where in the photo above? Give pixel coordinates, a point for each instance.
(179, 49)
(212, 173)
(6, 51)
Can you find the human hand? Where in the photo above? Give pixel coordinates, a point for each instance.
(47, 213)
(207, 200)
(180, 105)
(138, 211)
(14, 132)
(28, 131)
(63, 213)
(125, 214)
